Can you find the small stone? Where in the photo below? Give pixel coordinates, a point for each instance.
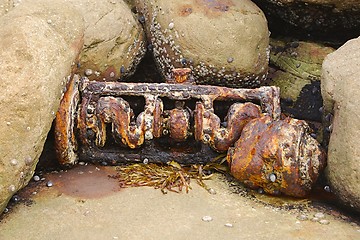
(229, 225)
(145, 161)
(302, 217)
(171, 25)
(88, 72)
(324, 222)
(207, 218)
(212, 191)
(319, 215)
(49, 184)
(230, 60)
(315, 219)
(82, 163)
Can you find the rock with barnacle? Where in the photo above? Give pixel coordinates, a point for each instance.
(223, 42)
(34, 62)
(114, 41)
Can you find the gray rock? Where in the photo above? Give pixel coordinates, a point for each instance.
(223, 42)
(340, 90)
(320, 17)
(34, 63)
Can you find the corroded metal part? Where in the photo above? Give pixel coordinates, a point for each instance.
(181, 76)
(65, 140)
(208, 127)
(277, 156)
(107, 117)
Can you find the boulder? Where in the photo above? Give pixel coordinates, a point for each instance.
(39, 43)
(340, 86)
(336, 18)
(296, 71)
(222, 42)
(114, 41)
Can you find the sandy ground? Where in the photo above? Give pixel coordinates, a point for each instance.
(84, 203)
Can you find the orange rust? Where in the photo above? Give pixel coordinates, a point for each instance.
(117, 112)
(179, 124)
(280, 148)
(185, 10)
(181, 75)
(66, 144)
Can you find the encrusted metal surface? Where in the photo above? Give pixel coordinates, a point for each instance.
(277, 156)
(118, 122)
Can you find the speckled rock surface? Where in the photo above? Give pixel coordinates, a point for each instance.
(8, 5)
(318, 17)
(340, 89)
(114, 40)
(223, 42)
(34, 62)
(297, 71)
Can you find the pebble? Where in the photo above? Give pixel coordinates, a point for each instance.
(302, 217)
(145, 161)
(36, 178)
(315, 219)
(212, 191)
(49, 184)
(230, 60)
(82, 163)
(229, 225)
(207, 218)
(319, 215)
(171, 25)
(324, 222)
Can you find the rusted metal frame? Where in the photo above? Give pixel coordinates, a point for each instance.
(268, 96)
(151, 120)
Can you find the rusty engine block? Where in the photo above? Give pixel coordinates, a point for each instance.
(119, 122)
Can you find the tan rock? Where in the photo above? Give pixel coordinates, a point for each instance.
(340, 90)
(114, 41)
(39, 43)
(7, 5)
(223, 42)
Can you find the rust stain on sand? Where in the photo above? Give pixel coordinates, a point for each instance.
(86, 182)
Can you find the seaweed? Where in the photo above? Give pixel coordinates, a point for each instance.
(168, 177)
